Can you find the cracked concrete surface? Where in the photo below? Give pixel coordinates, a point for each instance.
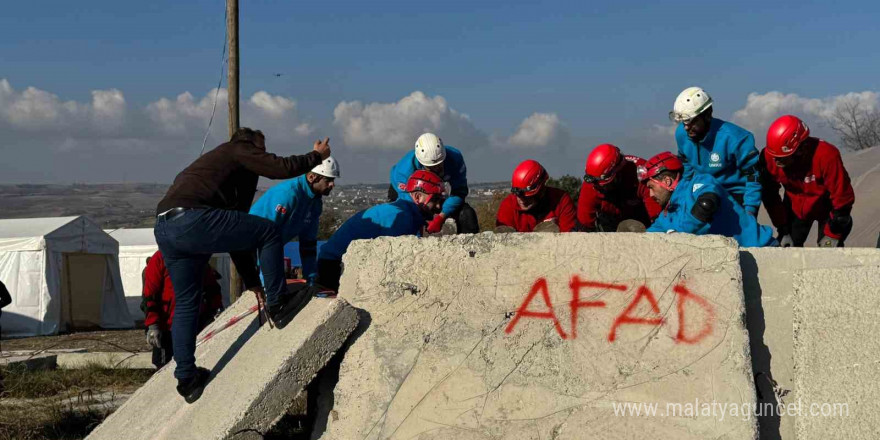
(436, 360)
(836, 352)
(256, 374)
(769, 283)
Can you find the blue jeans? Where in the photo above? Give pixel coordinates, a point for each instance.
(187, 242)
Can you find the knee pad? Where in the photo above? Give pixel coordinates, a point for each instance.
(706, 207)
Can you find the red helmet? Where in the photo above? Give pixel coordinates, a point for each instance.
(785, 135)
(426, 182)
(528, 178)
(602, 164)
(664, 161)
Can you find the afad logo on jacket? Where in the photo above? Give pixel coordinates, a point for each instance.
(279, 208)
(715, 160)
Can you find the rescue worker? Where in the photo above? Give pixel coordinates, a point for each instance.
(532, 206)
(404, 216)
(295, 207)
(205, 212)
(723, 150)
(698, 204)
(817, 186)
(447, 162)
(612, 192)
(158, 306)
(5, 298)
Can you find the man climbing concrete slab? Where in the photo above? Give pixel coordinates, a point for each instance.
(295, 207)
(205, 212)
(533, 206)
(699, 204)
(817, 186)
(447, 162)
(404, 216)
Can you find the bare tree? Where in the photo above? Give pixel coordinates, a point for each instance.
(858, 127)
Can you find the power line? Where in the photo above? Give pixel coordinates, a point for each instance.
(223, 60)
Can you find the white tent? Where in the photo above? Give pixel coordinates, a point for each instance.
(62, 274)
(135, 245)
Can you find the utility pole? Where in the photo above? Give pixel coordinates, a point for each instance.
(232, 89)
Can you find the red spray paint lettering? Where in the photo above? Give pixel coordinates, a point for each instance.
(627, 317)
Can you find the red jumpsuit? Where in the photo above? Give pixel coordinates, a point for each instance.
(159, 295)
(816, 185)
(555, 205)
(627, 198)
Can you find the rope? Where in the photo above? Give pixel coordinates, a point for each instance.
(223, 60)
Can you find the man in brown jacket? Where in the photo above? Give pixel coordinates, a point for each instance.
(205, 212)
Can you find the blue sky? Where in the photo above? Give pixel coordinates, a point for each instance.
(609, 72)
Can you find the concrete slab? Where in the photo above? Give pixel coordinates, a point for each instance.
(120, 359)
(31, 361)
(768, 283)
(452, 348)
(256, 373)
(837, 353)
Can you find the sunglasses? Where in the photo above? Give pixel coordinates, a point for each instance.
(604, 178)
(521, 192)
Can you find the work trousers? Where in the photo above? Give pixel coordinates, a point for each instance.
(187, 242)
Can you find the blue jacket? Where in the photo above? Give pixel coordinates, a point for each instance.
(295, 210)
(728, 154)
(730, 219)
(454, 172)
(400, 217)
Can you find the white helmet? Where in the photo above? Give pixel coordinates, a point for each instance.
(430, 150)
(328, 168)
(689, 104)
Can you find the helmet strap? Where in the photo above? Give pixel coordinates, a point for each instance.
(671, 187)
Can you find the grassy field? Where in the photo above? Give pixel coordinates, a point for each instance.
(61, 404)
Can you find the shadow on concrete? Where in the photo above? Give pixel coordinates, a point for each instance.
(320, 391)
(233, 349)
(297, 303)
(768, 424)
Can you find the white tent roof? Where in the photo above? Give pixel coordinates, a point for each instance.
(133, 237)
(47, 261)
(31, 227)
(138, 242)
(65, 234)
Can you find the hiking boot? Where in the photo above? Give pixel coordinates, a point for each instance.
(191, 388)
(289, 304)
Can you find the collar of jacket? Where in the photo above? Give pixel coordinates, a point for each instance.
(304, 186)
(405, 203)
(708, 142)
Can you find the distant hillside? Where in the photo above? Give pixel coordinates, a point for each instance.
(132, 205)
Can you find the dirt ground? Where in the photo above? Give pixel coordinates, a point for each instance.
(106, 340)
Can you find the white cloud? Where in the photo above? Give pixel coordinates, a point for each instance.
(108, 108)
(396, 125)
(762, 109)
(36, 110)
(108, 124)
(664, 130)
(184, 113)
(274, 106)
(540, 130)
(304, 129)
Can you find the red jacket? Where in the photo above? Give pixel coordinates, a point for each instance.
(159, 295)
(629, 199)
(816, 184)
(554, 205)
